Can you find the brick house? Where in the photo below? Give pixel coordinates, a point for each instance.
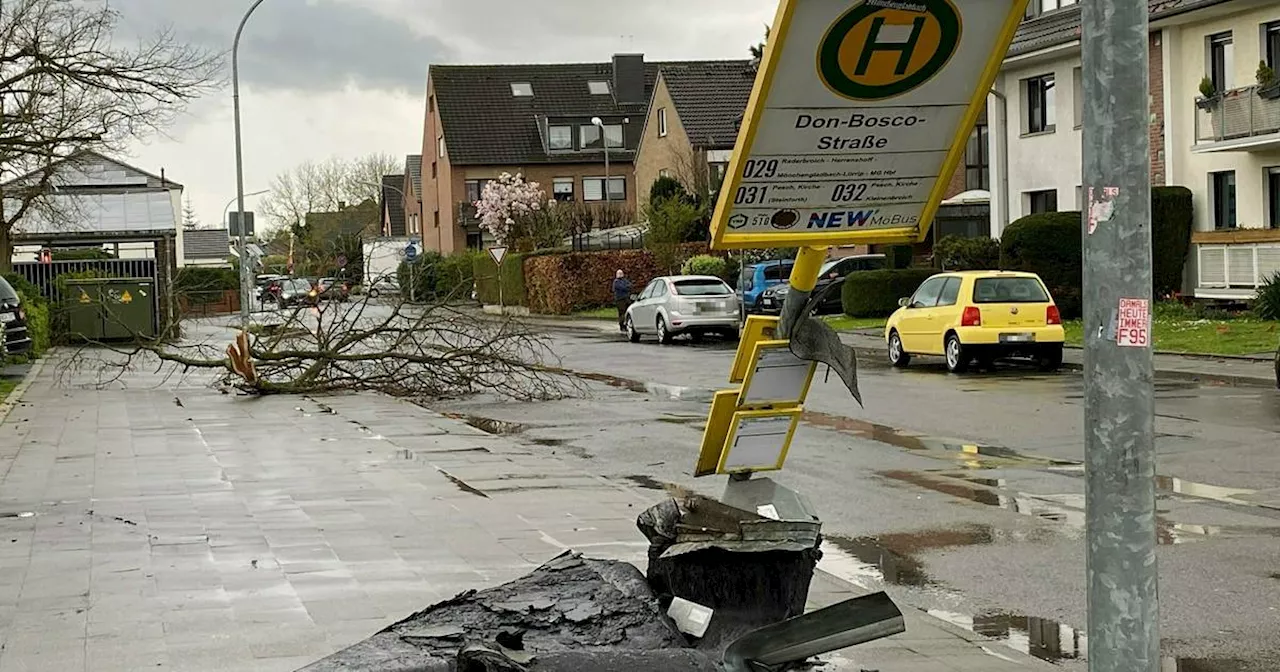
(411, 189)
(536, 120)
(692, 125)
(394, 199)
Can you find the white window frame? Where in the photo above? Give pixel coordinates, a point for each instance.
(598, 190)
(551, 145)
(662, 122)
(521, 89)
(560, 182)
(440, 146)
(599, 88)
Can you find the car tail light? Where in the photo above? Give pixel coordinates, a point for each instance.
(1052, 316)
(972, 317)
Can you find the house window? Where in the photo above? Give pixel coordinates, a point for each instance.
(1222, 61)
(976, 164)
(1043, 201)
(589, 137)
(1271, 46)
(522, 89)
(1224, 199)
(598, 88)
(1037, 7)
(435, 170)
(1273, 197)
(613, 134)
(663, 172)
(475, 190)
(560, 137)
(440, 147)
(562, 189)
(436, 216)
(1040, 102)
(1077, 95)
(593, 188)
(431, 104)
(475, 241)
(662, 122)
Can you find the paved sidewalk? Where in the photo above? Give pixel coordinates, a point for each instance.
(175, 528)
(1245, 371)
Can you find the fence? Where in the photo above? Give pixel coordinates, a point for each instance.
(208, 304)
(606, 240)
(43, 275)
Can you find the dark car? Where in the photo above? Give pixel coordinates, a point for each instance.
(296, 292)
(269, 287)
(333, 289)
(757, 278)
(833, 272)
(14, 319)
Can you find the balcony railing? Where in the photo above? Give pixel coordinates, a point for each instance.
(1238, 114)
(467, 217)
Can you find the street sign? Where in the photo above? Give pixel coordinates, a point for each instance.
(235, 218)
(777, 377)
(860, 148)
(498, 254)
(758, 440)
(410, 252)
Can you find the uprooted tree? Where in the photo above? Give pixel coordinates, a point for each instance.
(327, 341)
(68, 84)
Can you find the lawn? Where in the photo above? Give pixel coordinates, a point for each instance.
(846, 323)
(609, 313)
(1178, 328)
(6, 386)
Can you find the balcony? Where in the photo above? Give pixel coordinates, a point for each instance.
(1239, 120)
(467, 218)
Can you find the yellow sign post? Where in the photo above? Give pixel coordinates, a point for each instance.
(859, 116)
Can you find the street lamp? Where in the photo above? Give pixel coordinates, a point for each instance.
(235, 97)
(233, 200)
(604, 139)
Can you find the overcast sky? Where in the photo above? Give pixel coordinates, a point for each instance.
(321, 78)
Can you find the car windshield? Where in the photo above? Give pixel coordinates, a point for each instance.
(777, 271)
(297, 285)
(7, 292)
(702, 288)
(1009, 290)
(826, 268)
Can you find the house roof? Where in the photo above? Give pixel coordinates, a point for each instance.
(352, 220)
(710, 97)
(393, 200)
(1063, 26)
(206, 244)
(413, 167)
(484, 124)
(89, 168)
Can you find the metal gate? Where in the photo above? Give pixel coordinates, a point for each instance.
(44, 275)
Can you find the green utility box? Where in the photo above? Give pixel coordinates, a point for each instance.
(110, 309)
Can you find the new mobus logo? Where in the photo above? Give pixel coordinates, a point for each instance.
(884, 48)
(856, 219)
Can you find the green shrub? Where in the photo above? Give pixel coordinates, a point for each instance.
(197, 280)
(1172, 220)
(704, 264)
(876, 293)
(82, 254)
(418, 278)
(1048, 244)
(24, 287)
(666, 187)
(39, 328)
(1267, 305)
(485, 276)
(954, 253)
(455, 275)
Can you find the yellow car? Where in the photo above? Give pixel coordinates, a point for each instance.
(978, 315)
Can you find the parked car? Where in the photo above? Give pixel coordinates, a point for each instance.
(14, 320)
(269, 287)
(296, 292)
(386, 285)
(683, 304)
(832, 272)
(978, 315)
(333, 289)
(757, 278)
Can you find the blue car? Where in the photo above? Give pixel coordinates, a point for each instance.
(755, 279)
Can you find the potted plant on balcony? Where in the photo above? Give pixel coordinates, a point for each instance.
(1268, 85)
(1208, 95)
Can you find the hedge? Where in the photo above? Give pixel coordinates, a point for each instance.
(485, 273)
(876, 293)
(205, 280)
(561, 284)
(1172, 220)
(954, 253)
(1049, 245)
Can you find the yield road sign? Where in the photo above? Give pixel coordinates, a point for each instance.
(861, 148)
(498, 254)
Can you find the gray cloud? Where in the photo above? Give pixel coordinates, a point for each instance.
(300, 45)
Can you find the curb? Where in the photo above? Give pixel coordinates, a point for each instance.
(11, 402)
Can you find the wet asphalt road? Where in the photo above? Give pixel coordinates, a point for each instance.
(963, 495)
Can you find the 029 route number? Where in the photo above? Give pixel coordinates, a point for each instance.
(758, 169)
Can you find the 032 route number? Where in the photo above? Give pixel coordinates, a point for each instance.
(847, 193)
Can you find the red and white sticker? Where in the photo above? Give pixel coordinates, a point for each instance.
(1133, 329)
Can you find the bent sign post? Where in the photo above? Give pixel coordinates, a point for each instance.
(858, 119)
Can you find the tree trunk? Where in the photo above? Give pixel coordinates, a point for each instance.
(6, 248)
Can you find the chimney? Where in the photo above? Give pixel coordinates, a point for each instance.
(628, 79)
(162, 180)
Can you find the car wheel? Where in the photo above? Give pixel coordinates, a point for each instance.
(957, 357)
(664, 336)
(732, 334)
(696, 336)
(632, 334)
(898, 357)
(1050, 358)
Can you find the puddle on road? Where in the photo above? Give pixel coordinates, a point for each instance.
(673, 392)
(1066, 508)
(892, 556)
(488, 425)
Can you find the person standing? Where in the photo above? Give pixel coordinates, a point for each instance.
(621, 297)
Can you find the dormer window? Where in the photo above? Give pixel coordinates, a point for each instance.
(598, 88)
(560, 138)
(522, 89)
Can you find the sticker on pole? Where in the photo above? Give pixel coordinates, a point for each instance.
(858, 119)
(498, 254)
(1133, 328)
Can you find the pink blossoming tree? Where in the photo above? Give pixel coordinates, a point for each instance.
(508, 205)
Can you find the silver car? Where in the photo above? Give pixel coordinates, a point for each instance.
(683, 304)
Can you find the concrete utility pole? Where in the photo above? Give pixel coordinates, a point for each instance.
(246, 287)
(1124, 633)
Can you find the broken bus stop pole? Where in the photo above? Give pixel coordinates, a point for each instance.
(1119, 397)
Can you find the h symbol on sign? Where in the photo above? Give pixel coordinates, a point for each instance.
(904, 49)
